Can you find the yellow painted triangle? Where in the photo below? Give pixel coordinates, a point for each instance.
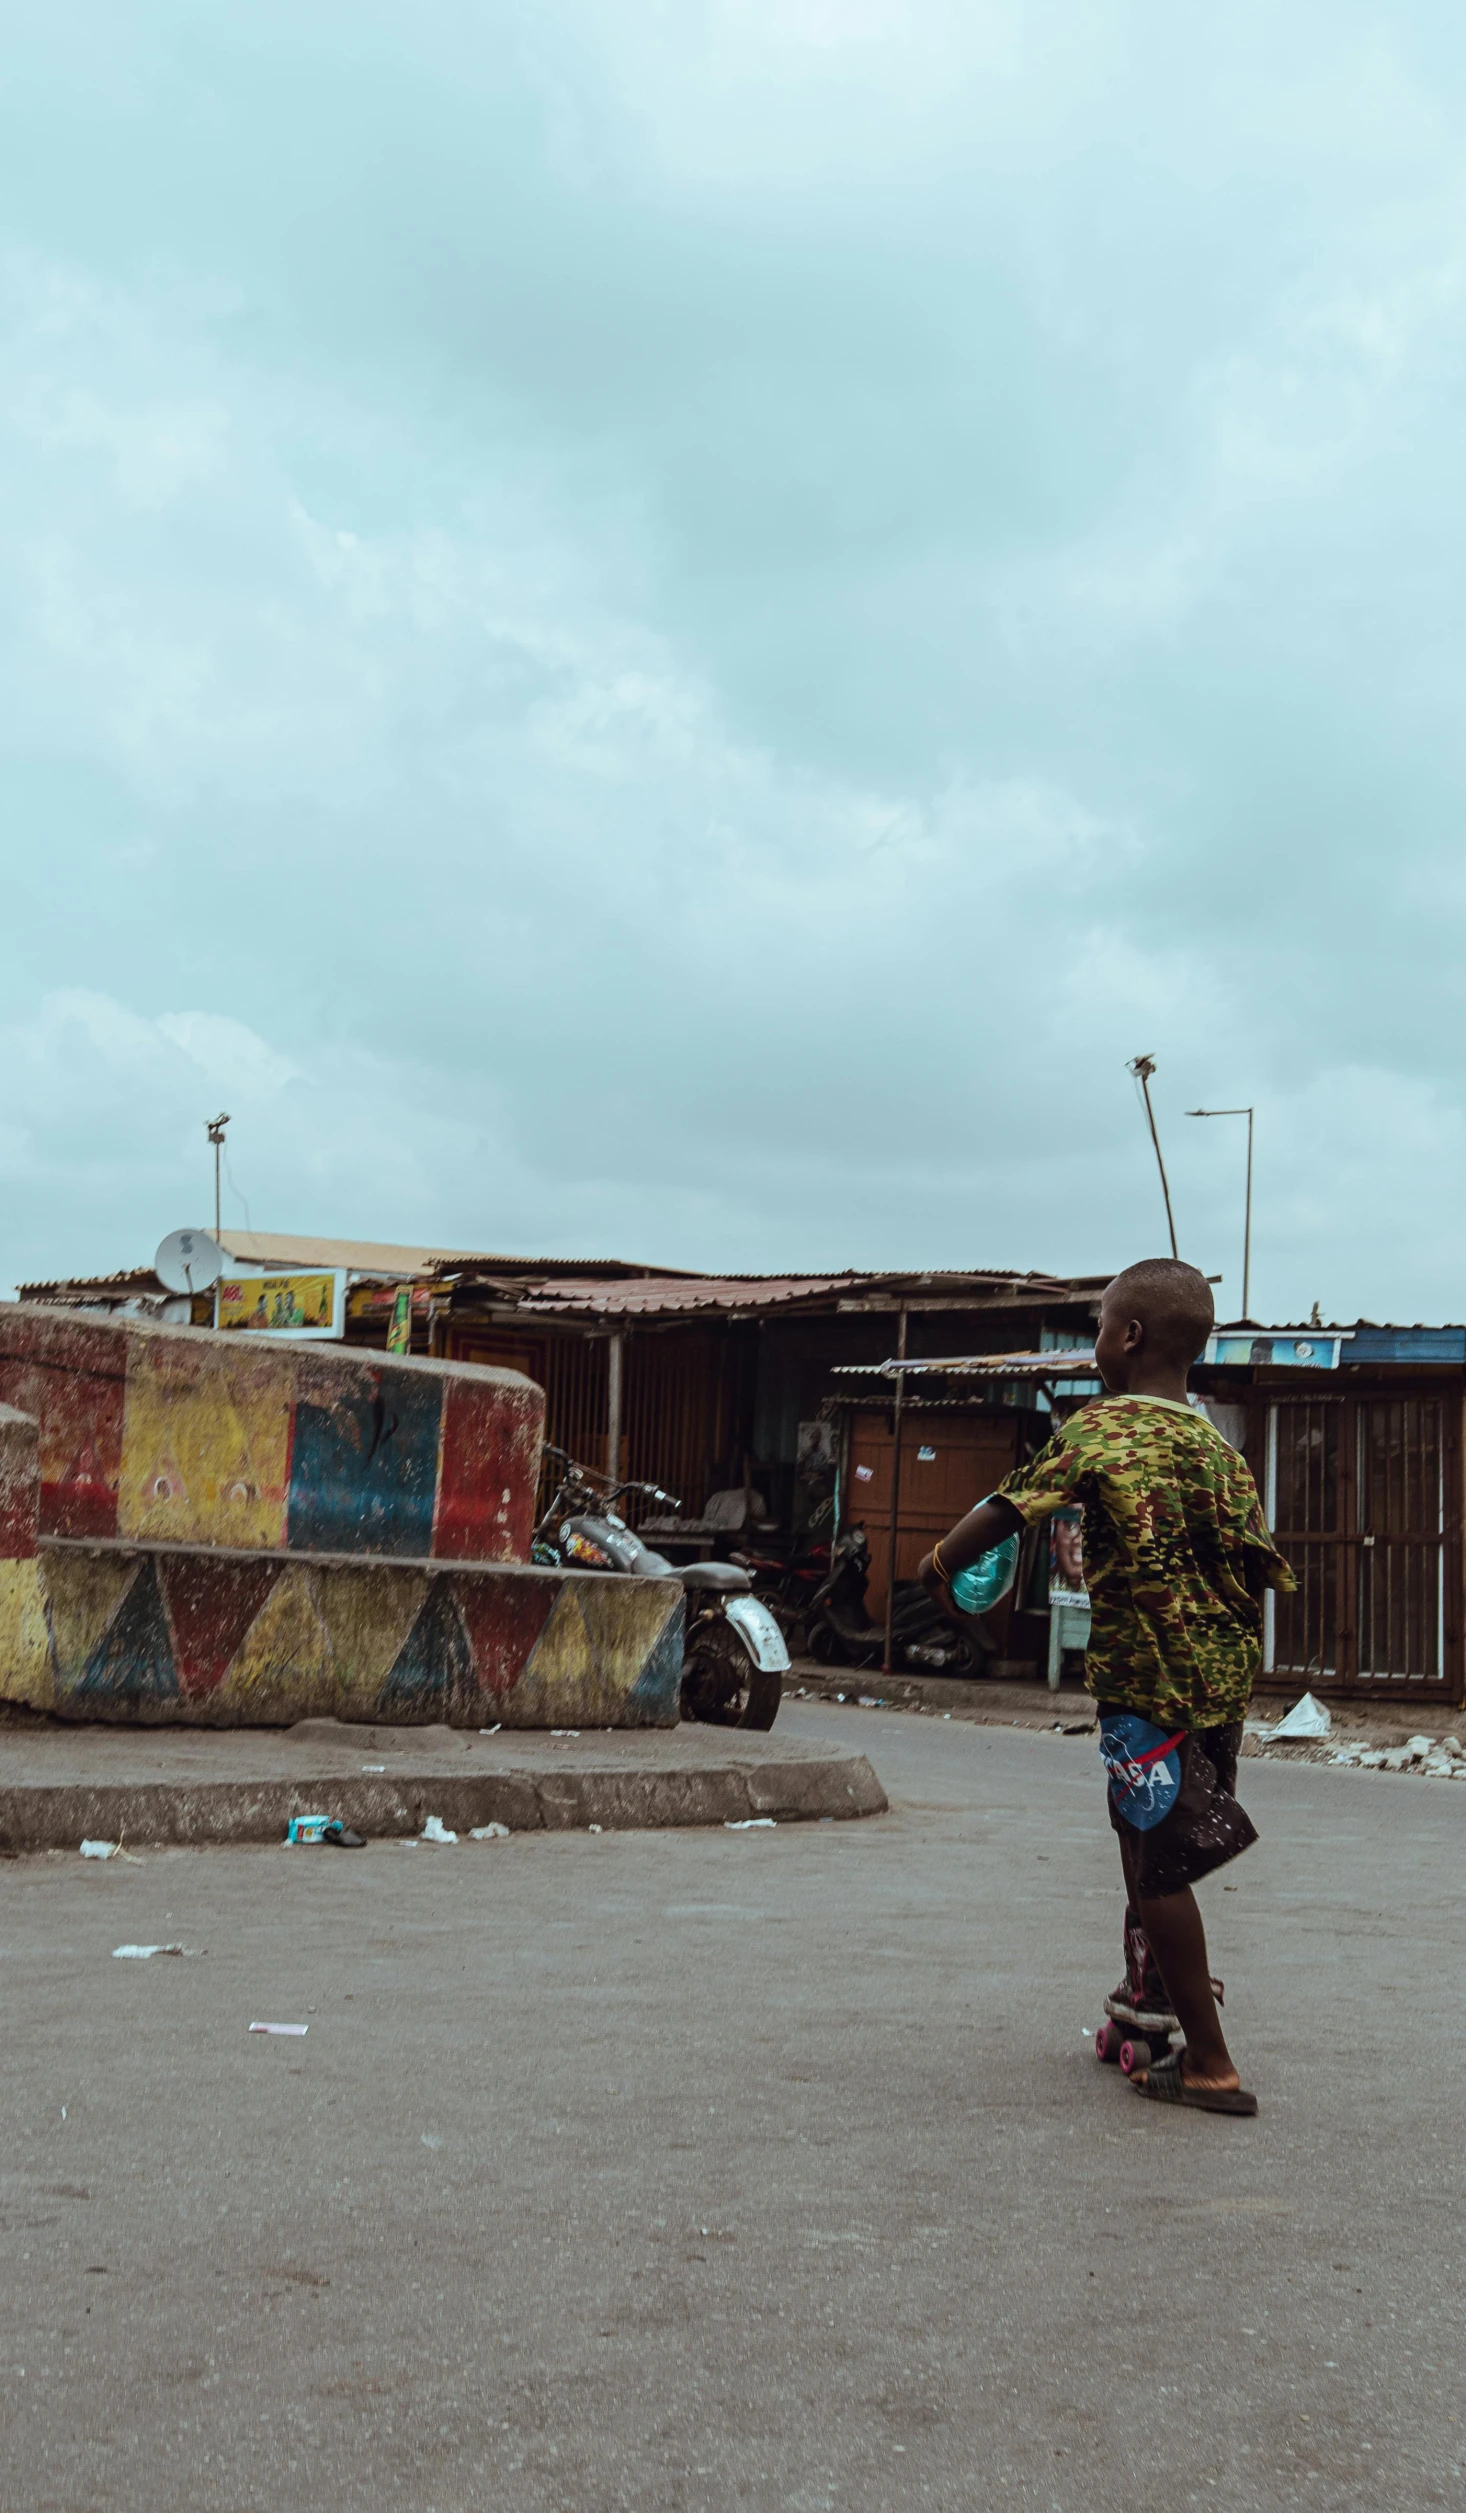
(558, 1683)
(285, 1661)
(84, 1591)
(26, 1672)
(624, 1619)
(368, 1614)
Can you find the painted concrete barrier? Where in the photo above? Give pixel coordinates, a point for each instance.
(176, 1435)
(191, 1532)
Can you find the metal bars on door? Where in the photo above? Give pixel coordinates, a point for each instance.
(1363, 1495)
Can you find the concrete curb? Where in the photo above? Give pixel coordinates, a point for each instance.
(990, 1702)
(171, 1814)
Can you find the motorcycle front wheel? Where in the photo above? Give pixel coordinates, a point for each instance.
(723, 1688)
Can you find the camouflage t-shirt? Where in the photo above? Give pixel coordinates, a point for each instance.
(1177, 1555)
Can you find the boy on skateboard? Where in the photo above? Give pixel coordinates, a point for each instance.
(1177, 1558)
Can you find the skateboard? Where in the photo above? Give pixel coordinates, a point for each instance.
(1133, 2042)
(1126, 2045)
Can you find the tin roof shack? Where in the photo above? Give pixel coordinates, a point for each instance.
(919, 1440)
(715, 1386)
(1354, 1435)
(376, 1271)
(712, 1387)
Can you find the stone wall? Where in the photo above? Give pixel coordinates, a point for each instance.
(176, 1435)
(191, 1531)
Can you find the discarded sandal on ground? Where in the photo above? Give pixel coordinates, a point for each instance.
(338, 1836)
(1164, 2083)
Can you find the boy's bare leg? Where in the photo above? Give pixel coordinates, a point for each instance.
(1172, 1923)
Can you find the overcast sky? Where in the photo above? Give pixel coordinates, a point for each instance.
(670, 627)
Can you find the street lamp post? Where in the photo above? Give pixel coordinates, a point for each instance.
(1143, 1067)
(215, 1131)
(1249, 1114)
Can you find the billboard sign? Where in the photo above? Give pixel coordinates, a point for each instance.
(293, 1305)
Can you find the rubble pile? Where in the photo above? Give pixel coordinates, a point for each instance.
(1420, 1754)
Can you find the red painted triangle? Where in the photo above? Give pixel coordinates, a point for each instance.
(211, 1604)
(504, 1616)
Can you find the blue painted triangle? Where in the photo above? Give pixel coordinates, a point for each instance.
(433, 1670)
(133, 1660)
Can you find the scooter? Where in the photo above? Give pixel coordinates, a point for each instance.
(924, 1638)
(734, 1659)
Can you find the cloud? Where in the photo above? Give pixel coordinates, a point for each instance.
(679, 629)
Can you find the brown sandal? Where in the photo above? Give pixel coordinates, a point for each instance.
(1164, 2082)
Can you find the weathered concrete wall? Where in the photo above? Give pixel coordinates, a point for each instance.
(176, 1435)
(151, 1634)
(196, 1530)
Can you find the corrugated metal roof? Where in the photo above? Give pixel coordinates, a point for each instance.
(358, 1256)
(984, 1365)
(683, 1296)
(1341, 1326)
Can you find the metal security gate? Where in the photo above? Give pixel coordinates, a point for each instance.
(1363, 1496)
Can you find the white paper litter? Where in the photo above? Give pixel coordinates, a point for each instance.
(1306, 1718)
(434, 1829)
(494, 1730)
(751, 1823)
(100, 1849)
(293, 2030)
(140, 1954)
(489, 1832)
(374, 1766)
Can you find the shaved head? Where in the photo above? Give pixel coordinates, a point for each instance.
(1173, 1303)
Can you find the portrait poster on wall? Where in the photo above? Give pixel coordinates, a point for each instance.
(1066, 1559)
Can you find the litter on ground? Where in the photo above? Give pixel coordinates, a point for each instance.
(140, 1954)
(100, 1849)
(750, 1823)
(489, 1832)
(293, 2030)
(1306, 1718)
(434, 1829)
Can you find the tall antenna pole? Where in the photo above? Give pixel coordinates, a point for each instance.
(1247, 1230)
(1249, 1114)
(1143, 1067)
(215, 1131)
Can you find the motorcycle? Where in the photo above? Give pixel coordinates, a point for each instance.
(924, 1638)
(734, 1659)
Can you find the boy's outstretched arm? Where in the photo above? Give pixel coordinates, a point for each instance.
(992, 1522)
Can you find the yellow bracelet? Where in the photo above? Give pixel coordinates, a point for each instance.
(944, 1576)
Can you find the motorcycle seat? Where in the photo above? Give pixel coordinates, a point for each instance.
(722, 1575)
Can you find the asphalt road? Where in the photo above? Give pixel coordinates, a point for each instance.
(737, 2170)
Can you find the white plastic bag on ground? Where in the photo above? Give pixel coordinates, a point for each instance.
(491, 1832)
(1306, 1718)
(435, 1829)
(100, 1849)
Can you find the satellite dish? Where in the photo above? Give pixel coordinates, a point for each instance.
(189, 1260)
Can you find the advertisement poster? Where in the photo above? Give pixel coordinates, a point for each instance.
(281, 1304)
(399, 1333)
(1066, 1559)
